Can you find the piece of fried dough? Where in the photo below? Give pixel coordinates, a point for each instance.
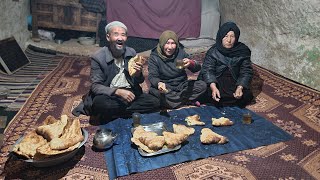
(154, 143)
(46, 150)
(173, 140)
(132, 62)
(49, 120)
(209, 137)
(138, 143)
(182, 129)
(221, 122)
(28, 145)
(140, 135)
(71, 135)
(54, 130)
(194, 120)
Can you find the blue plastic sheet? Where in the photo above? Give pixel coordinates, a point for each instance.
(123, 158)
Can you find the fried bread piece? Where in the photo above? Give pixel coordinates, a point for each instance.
(71, 135)
(194, 120)
(154, 143)
(139, 131)
(132, 62)
(46, 150)
(182, 129)
(221, 122)
(49, 120)
(54, 130)
(173, 140)
(28, 145)
(209, 137)
(141, 145)
(140, 135)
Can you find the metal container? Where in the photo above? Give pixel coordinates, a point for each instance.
(157, 128)
(58, 41)
(104, 139)
(86, 40)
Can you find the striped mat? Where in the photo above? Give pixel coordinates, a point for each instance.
(25, 80)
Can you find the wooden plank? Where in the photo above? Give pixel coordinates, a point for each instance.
(61, 14)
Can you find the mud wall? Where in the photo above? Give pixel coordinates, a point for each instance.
(284, 35)
(13, 20)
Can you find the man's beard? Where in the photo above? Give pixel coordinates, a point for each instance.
(116, 51)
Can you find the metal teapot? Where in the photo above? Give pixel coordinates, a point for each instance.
(104, 138)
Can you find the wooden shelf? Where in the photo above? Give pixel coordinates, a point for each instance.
(61, 14)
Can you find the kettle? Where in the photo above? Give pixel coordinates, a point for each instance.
(104, 138)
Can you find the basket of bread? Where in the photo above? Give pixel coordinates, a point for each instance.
(53, 142)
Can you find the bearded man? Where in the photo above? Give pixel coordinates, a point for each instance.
(113, 91)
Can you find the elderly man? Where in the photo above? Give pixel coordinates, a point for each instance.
(113, 90)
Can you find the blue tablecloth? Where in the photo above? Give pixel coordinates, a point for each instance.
(123, 158)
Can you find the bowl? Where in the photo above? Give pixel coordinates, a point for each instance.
(86, 40)
(58, 159)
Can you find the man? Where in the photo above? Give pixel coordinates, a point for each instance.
(113, 90)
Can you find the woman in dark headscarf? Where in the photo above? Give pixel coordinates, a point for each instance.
(169, 83)
(227, 69)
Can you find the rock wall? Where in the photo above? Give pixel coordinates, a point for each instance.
(13, 20)
(284, 35)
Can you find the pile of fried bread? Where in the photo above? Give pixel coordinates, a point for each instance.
(53, 137)
(151, 142)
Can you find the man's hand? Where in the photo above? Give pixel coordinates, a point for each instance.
(238, 94)
(125, 94)
(162, 87)
(138, 66)
(215, 92)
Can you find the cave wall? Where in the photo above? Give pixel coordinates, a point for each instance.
(283, 35)
(13, 20)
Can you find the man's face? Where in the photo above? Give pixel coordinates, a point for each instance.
(170, 47)
(228, 40)
(117, 38)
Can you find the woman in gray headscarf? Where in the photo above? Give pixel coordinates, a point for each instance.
(168, 82)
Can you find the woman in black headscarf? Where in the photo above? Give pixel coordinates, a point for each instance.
(169, 83)
(227, 69)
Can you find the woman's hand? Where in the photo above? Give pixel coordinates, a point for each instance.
(162, 87)
(215, 92)
(186, 62)
(238, 94)
(125, 94)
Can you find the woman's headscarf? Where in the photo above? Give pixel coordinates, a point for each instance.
(238, 49)
(165, 36)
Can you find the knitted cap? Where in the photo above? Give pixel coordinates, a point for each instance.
(115, 24)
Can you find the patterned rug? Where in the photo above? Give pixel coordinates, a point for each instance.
(292, 107)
